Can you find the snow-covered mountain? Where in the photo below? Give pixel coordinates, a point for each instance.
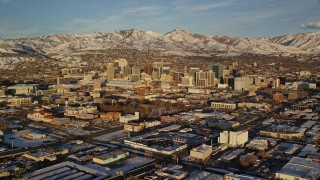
(174, 42)
(309, 42)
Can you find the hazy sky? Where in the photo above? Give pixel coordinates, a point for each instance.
(245, 18)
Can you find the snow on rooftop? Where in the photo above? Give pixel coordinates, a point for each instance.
(20, 142)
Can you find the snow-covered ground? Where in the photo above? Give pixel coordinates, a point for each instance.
(111, 136)
(21, 142)
(126, 165)
(76, 131)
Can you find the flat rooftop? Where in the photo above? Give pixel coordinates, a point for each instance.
(301, 167)
(66, 170)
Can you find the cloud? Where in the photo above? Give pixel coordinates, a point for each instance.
(79, 25)
(121, 20)
(144, 10)
(186, 6)
(313, 25)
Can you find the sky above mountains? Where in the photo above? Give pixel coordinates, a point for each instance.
(244, 18)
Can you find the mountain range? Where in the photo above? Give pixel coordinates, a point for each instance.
(177, 42)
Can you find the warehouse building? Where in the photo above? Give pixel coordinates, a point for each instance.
(201, 153)
(66, 170)
(110, 157)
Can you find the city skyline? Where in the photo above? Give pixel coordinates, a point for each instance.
(235, 18)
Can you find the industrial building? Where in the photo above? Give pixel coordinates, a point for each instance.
(201, 153)
(20, 89)
(129, 117)
(33, 136)
(110, 157)
(284, 132)
(67, 170)
(299, 169)
(172, 172)
(258, 144)
(133, 126)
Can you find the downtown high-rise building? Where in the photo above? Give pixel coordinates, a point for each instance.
(110, 71)
(121, 63)
(136, 70)
(127, 70)
(217, 69)
(205, 78)
(148, 68)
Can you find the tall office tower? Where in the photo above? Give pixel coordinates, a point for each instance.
(204, 78)
(217, 69)
(201, 79)
(121, 63)
(234, 139)
(136, 70)
(166, 70)
(187, 81)
(110, 71)
(276, 83)
(211, 78)
(159, 68)
(127, 70)
(156, 70)
(148, 68)
(192, 72)
(155, 75)
(116, 67)
(242, 83)
(282, 80)
(226, 79)
(176, 76)
(97, 84)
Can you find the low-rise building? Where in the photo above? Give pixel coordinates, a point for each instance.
(133, 126)
(284, 132)
(27, 89)
(40, 115)
(258, 144)
(73, 111)
(151, 124)
(78, 124)
(129, 117)
(222, 105)
(20, 101)
(111, 116)
(67, 170)
(172, 172)
(110, 157)
(254, 105)
(201, 153)
(299, 169)
(60, 121)
(232, 176)
(33, 136)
